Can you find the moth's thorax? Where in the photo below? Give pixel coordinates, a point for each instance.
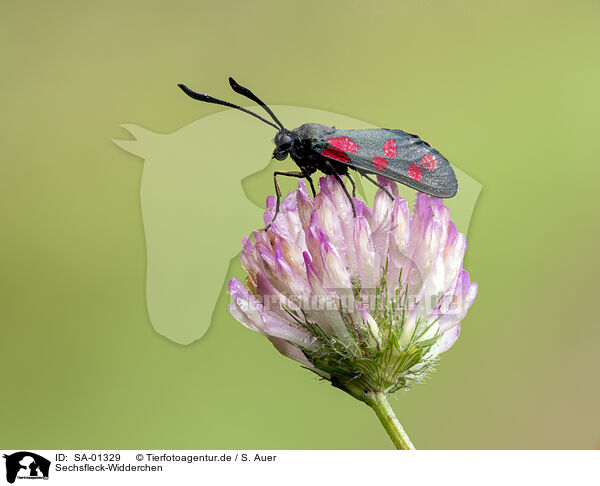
(300, 141)
(313, 132)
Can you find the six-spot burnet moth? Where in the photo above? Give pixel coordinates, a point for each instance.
(392, 153)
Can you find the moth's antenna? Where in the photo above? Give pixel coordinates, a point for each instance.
(210, 99)
(249, 94)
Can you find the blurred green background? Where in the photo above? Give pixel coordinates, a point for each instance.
(507, 90)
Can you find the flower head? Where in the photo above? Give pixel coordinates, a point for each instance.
(367, 302)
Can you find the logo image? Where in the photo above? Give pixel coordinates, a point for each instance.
(26, 465)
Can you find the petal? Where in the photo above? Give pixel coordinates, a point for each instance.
(454, 253)
(390, 185)
(322, 308)
(245, 308)
(398, 242)
(305, 206)
(448, 339)
(290, 351)
(278, 328)
(462, 300)
(336, 275)
(433, 287)
(329, 223)
(339, 199)
(290, 282)
(375, 339)
(367, 260)
(270, 209)
(247, 258)
(381, 223)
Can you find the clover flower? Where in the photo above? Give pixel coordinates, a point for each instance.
(366, 302)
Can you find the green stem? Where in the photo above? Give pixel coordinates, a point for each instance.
(378, 402)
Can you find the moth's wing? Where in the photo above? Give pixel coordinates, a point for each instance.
(394, 154)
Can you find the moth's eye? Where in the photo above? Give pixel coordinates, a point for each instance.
(283, 141)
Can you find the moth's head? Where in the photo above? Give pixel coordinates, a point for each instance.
(284, 142)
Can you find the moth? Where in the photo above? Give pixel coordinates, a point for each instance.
(391, 153)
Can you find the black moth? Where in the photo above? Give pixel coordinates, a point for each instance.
(392, 153)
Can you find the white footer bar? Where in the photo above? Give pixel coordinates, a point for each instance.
(418, 468)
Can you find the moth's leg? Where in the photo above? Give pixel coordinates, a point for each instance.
(339, 179)
(378, 185)
(353, 184)
(310, 181)
(299, 175)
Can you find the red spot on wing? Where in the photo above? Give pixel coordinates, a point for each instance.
(428, 162)
(335, 154)
(389, 148)
(343, 143)
(414, 172)
(379, 163)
